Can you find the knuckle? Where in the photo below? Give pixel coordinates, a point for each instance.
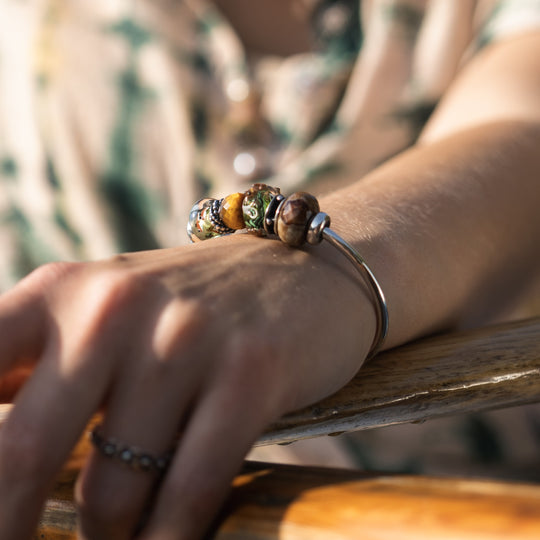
(49, 273)
(112, 286)
(180, 325)
(99, 306)
(119, 259)
(114, 291)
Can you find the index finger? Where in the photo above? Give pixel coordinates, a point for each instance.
(46, 421)
(23, 326)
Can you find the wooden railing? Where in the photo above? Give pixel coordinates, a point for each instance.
(448, 374)
(477, 370)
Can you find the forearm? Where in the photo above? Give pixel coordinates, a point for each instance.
(449, 228)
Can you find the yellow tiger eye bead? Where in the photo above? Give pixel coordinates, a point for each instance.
(230, 211)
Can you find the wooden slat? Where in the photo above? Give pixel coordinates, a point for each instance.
(271, 502)
(298, 503)
(477, 370)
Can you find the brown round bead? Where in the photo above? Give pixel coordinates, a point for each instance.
(294, 216)
(230, 211)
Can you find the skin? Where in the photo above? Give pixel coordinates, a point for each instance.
(278, 27)
(227, 335)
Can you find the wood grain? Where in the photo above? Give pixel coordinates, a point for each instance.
(483, 369)
(297, 503)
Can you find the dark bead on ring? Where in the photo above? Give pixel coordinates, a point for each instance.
(131, 456)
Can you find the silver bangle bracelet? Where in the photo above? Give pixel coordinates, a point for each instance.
(381, 308)
(295, 220)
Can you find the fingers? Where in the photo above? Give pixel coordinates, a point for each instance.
(68, 384)
(154, 362)
(146, 407)
(44, 425)
(23, 323)
(217, 438)
(228, 414)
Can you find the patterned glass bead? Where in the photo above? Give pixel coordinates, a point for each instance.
(255, 203)
(201, 226)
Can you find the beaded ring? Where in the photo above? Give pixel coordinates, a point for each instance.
(296, 219)
(132, 457)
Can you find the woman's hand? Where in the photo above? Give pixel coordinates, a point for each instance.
(212, 341)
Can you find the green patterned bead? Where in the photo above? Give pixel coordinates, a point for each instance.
(255, 203)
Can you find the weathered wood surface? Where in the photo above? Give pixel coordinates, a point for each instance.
(471, 371)
(477, 370)
(271, 502)
(298, 503)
